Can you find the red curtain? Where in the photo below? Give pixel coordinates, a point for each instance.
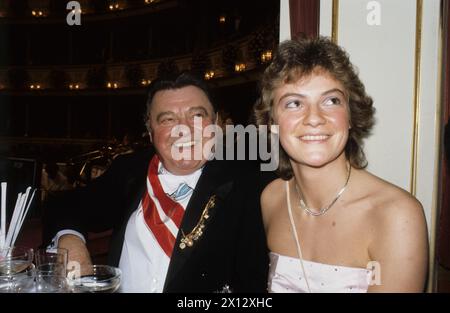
(304, 17)
(443, 240)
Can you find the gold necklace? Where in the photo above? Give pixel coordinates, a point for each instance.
(323, 210)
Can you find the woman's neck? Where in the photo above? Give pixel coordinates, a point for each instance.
(319, 186)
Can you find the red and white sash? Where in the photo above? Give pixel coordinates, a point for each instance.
(161, 214)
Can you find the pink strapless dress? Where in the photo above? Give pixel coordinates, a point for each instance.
(286, 276)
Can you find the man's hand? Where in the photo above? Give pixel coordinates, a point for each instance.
(78, 251)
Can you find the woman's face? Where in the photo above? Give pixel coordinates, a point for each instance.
(313, 118)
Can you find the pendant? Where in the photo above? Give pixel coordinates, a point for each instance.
(189, 239)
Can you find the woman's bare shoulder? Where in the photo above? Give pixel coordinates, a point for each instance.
(392, 206)
(398, 237)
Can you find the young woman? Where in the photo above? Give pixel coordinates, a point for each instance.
(331, 225)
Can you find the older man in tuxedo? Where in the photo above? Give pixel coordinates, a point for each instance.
(180, 224)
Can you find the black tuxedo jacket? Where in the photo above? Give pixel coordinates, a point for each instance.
(232, 251)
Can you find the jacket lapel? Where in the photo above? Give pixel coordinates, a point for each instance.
(215, 180)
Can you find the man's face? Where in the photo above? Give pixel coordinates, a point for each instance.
(176, 122)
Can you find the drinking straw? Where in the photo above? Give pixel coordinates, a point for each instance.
(23, 212)
(18, 217)
(14, 218)
(3, 215)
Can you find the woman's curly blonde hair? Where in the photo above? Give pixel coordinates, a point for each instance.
(299, 58)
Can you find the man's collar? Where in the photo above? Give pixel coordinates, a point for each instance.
(172, 181)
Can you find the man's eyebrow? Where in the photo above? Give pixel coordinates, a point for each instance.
(162, 114)
(199, 108)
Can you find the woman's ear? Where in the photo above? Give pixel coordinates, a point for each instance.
(273, 127)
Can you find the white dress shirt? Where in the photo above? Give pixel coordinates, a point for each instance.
(143, 263)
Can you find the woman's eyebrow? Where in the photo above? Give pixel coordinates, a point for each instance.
(289, 94)
(333, 90)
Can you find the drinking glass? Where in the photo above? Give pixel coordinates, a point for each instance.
(9, 283)
(15, 260)
(13, 283)
(94, 279)
(50, 282)
(52, 260)
(41, 282)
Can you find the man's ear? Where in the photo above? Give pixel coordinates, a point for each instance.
(149, 129)
(150, 135)
(217, 118)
